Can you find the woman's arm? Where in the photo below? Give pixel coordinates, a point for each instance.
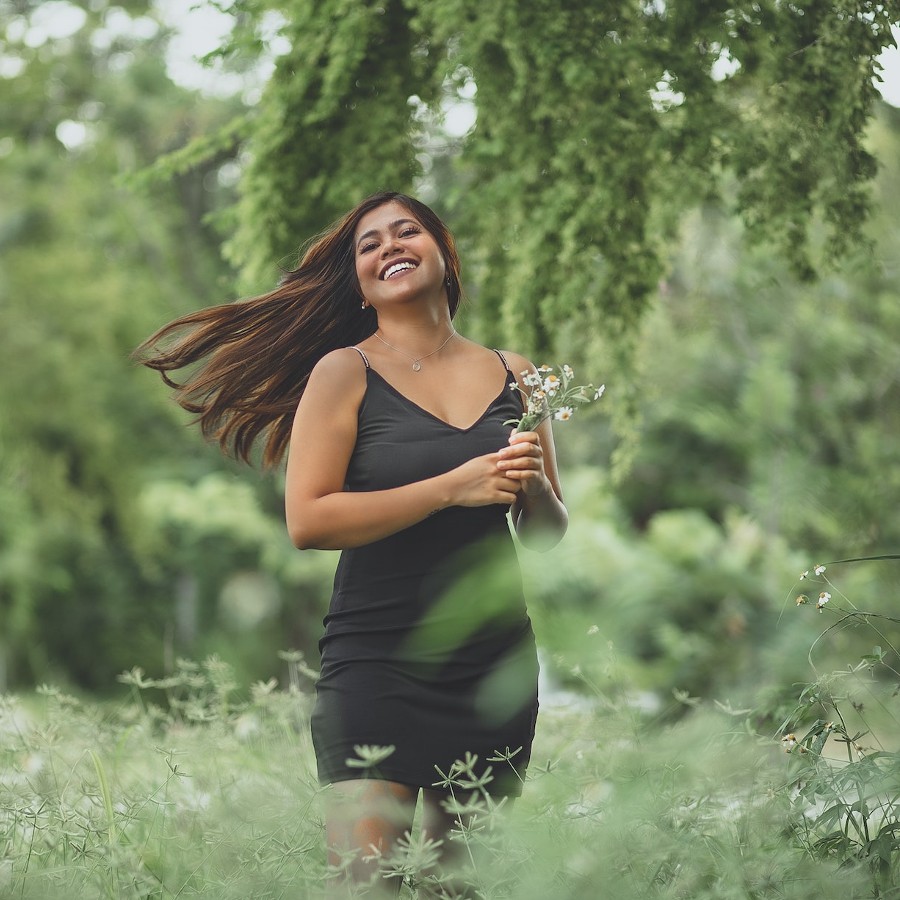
(320, 513)
(539, 515)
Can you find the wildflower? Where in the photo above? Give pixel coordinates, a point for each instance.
(804, 575)
(824, 597)
(819, 570)
(546, 394)
(551, 384)
(513, 386)
(789, 741)
(599, 392)
(801, 599)
(594, 629)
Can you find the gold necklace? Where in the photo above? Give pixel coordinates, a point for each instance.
(416, 360)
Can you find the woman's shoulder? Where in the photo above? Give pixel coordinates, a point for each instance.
(515, 361)
(345, 362)
(340, 372)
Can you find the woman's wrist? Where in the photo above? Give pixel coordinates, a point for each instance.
(444, 492)
(537, 487)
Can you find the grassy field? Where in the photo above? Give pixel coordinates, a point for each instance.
(196, 793)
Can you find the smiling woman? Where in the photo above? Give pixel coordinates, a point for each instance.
(399, 456)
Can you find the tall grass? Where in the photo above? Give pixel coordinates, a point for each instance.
(191, 787)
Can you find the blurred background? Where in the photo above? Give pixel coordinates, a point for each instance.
(696, 204)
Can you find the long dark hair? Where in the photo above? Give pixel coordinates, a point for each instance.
(258, 353)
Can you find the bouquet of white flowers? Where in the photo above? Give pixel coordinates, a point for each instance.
(551, 394)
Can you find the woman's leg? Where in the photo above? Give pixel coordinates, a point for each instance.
(363, 821)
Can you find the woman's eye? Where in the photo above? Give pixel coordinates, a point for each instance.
(366, 248)
(407, 232)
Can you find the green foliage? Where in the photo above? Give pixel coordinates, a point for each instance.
(215, 796)
(597, 126)
(688, 605)
(844, 786)
(89, 269)
(333, 123)
(769, 406)
(771, 396)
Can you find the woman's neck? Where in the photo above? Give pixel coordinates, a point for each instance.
(415, 336)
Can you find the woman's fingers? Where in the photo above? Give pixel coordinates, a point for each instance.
(523, 460)
(524, 454)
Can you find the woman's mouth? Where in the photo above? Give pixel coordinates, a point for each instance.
(397, 268)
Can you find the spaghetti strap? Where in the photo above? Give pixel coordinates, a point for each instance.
(515, 380)
(365, 359)
(503, 360)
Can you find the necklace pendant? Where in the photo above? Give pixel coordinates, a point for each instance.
(416, 367)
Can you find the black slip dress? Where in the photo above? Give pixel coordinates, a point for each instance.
(428, 646)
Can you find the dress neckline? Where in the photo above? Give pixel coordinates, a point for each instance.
(431, 415)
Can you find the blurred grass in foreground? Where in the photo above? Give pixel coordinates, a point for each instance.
(214, 796)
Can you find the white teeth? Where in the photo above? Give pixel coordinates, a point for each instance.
(398, 267)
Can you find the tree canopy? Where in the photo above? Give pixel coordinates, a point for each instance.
(598, 125)
(586, 195)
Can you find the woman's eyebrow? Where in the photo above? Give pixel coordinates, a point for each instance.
(393, 225)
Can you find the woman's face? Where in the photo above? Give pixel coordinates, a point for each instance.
(396, 258)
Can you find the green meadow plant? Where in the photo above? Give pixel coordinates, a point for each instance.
(195, 787)
(843, 735)
(206, 796)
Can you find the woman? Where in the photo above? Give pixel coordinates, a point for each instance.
(400, 455)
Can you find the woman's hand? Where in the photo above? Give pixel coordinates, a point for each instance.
(482, 482)
(523, 462)
(538, 513)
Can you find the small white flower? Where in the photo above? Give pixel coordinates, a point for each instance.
(513, 386)
(824, 597)
(819, 570)
(548, 391)
(594, 629)
(789, 741)
(804, 575)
